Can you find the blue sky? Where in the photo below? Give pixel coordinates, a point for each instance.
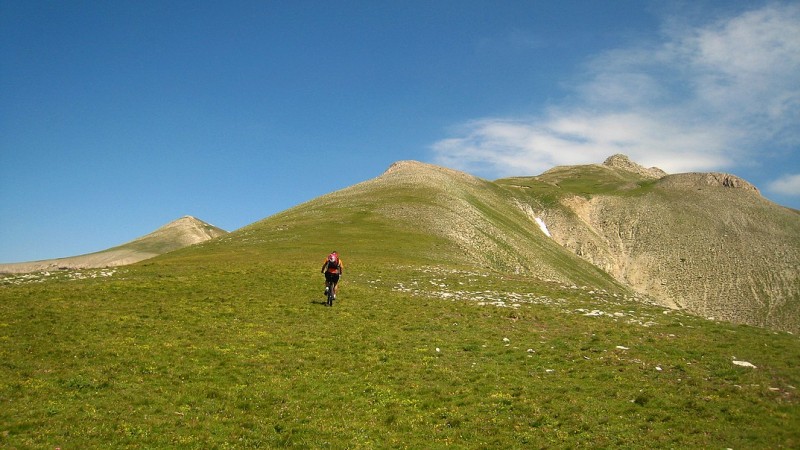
(119, 117)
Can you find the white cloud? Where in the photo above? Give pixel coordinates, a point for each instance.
(786, 185)
(703, 98)
(747, 69)
(505, 147)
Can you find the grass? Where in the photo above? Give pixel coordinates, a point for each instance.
(173, 355)
(228, 344)
(584, 181)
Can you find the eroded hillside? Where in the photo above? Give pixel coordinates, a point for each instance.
(706, 243)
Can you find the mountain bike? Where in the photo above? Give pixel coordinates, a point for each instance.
(330, 292)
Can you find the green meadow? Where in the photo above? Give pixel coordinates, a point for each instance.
(190, 352)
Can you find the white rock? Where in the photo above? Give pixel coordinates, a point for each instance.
(744, 364)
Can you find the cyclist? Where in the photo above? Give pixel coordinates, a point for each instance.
(332, 268)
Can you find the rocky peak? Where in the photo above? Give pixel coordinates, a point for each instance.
(424, 172)
(620, 161)
(183, 222)
(188, 230)
(404, 165)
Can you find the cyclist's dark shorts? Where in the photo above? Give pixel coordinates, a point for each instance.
(331, 277)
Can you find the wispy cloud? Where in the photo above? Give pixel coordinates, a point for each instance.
(786, 185)
(707, 97)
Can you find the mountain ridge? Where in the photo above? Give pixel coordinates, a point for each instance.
(708, 244)
(179, 233)
(705, 243)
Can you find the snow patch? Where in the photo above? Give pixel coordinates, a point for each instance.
(542, 226)
(532, 215)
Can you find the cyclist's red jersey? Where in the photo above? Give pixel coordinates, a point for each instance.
(334, 267)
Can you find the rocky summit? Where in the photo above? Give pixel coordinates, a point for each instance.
(620, 161)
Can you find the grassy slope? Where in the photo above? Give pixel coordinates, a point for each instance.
(228, 344)
(191, 353)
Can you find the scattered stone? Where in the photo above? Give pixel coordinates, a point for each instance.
(440, 283)
(744, 364)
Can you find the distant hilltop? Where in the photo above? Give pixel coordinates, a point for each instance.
(177, 234)
(620, 161)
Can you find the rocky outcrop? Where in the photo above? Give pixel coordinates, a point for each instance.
(620, 161)
(696, 180)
